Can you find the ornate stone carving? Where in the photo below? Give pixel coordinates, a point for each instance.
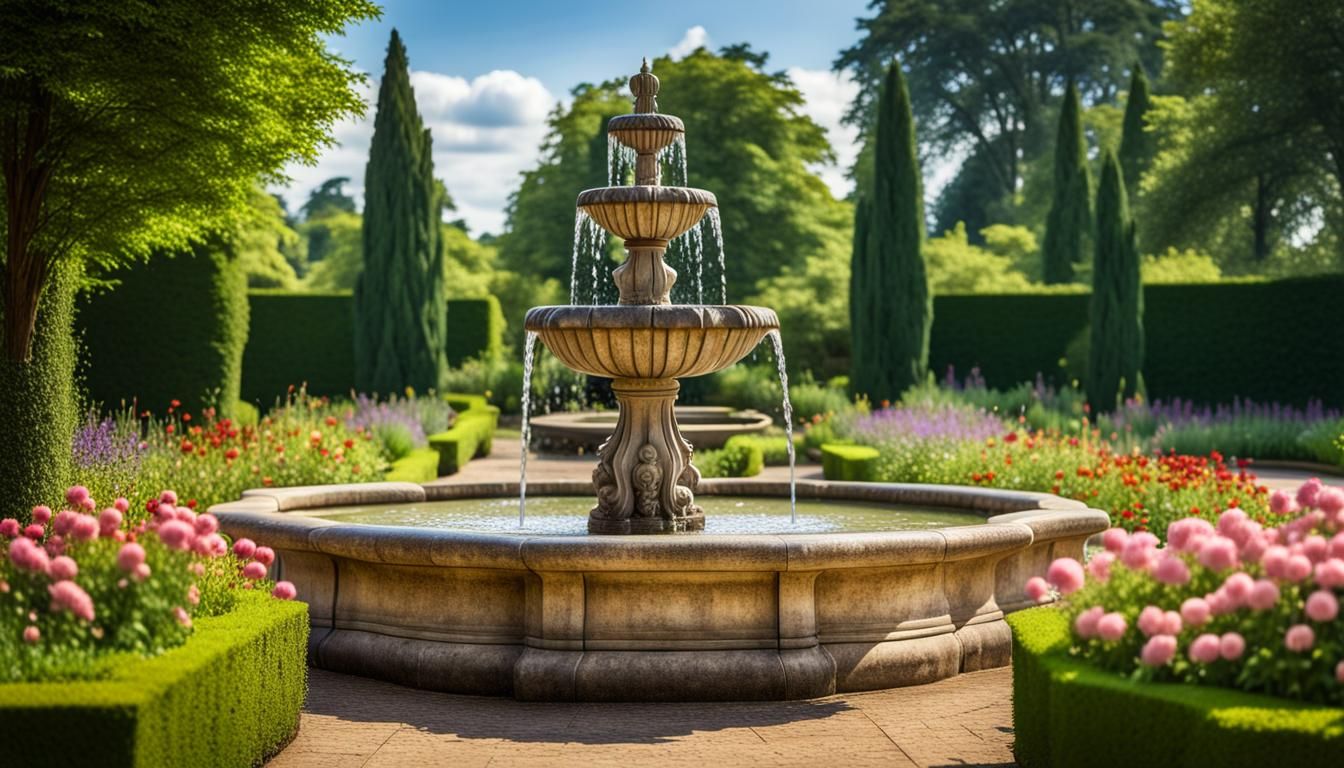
(648, 476)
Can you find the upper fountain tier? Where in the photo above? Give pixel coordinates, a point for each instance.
(647, 212)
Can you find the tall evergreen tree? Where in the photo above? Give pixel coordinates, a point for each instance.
(400, 313)
(896, 284)
(1067, 225)
(1136, 144)
(1115, 354)
(861, 353)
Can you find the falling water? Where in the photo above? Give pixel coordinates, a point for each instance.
(596, 238)
(674, 155)
(716, 229)
(528, 347)
(580, 218)
(620, 162)
(778, 342)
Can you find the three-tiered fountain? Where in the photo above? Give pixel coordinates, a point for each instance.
(645, 480)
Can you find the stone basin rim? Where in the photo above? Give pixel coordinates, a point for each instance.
(651, 316)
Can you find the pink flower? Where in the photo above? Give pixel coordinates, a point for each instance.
(109, 520)
(28, 556)
(1308, 492)
(1037, 589)
(85, 528)
(1298, 568)
(1171, 623)
(9, 528)
(245, 548)
(1231, 645)
(141, 572)
(76, 494)
(197, 568)
(176, 534)
(1099, 567)
(41, 514)
(1180, 532)
(69, 596)
(1151, 621)
(194, 595)
(1219, 603)
(1315, 547)
(1322, 606)
(210, 545)
(64, 522)
(182, 616)
(254, 570)
(1111, 627)
(31, 634)
(206, 524)
(266, 556)
(168, 497)
(1195, 611)
(129, 556)
(1330, 501)
(1114, 540)
(1137, 555)
(88, 504)
(1238, 587)
(284, 590)
(1065, 574)
(1218, 554)
(63, 568)
(1172, 570)
(1205, 649)
(1282, 503)
(1275, 561)
(1299, 638)
(1264, 595)
(1339, 672)
(1330, 574)
(1158, 651)
(1230, 520)
(1336, 545)
(55, 546)
(121, 505)
(34, 531)
(1086, 622)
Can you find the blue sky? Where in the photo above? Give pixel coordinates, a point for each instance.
(487, 73)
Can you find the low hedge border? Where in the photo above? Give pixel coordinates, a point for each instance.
(230, 696)
(471, 435)
(419, 466)
(742, 459)
(774, 448)
(1066, 712)
(849, 462)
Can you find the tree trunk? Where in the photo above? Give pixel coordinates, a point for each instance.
(27, 171)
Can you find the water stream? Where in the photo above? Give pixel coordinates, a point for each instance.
(778, 342)
(529, 347)
(716, 229)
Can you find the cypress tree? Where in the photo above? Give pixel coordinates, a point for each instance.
(897, 284)
(1115, 354)
(400, 313)
(1067, 226)
(860, 352)
(1136, 144)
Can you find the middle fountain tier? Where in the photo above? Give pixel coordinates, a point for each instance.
(645, 480)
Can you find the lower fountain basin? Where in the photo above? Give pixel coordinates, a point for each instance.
(689, 617)
(706, 426)
(659, 341)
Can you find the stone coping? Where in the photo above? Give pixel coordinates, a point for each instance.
(1014, 521)
(669, 316)
(646, 121)
(643, 193)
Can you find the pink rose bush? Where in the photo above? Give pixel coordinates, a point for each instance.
(1229, 603)
(80, 585)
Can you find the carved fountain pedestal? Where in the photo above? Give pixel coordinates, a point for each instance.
(645, 480)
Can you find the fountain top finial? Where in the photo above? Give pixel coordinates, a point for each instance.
(644, 86)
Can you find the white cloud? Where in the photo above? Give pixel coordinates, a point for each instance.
(695, 37)
(486, 131)
(827, 95)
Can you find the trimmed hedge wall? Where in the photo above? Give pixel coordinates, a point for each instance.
(739, 459)
(1268, 340)
(172, 329)
(1068, 713)
(419, 466)
(849, 462)
(774, 448)
(475, 329)
(471, 435)
(230, 696)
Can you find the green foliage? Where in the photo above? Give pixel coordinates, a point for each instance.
(811, 399)
(1069, 223)
(774, 449)
(860, 309)
(396, 440)
(849, 462)
(956, 266)
(329, 197)
(1260, 437)
(266, 246)
(896, 285)
(400, 318)
(475, 329)
(244, 673)
(1115, 354)
(38, 406)
(335, 251)
(420, 465)
(133, 355)
(1324, 442)
(1188, 266)
(470, 436)
(298, 339)
(740, 459)
(746, 386)
(1136, 141)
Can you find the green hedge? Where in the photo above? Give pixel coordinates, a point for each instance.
(173, 328)
(1267, 340)
(475, 329)
(743, 459)
(1068, 713)
(774, 448)
(298, 338)
(849, 462)
(229, 697)
(471, 435)
(419, 466)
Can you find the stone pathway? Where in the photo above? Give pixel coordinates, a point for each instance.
(351, 721)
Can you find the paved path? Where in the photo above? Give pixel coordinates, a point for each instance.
(351, 721)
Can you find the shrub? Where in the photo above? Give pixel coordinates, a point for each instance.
(747, 386)
(1324, 442)
(1235, 605)
(811, 399)
(740, 460)
(1245, 429)
(400, 424)
(774, 448)
(298, 339)
(849, 462)
(471, 435)
(417, 466)
(475, 330)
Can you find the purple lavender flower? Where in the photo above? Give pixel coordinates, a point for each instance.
(417, 416)
(926, 421)
(106, 444)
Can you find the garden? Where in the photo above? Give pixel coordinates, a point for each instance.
(1070, 269)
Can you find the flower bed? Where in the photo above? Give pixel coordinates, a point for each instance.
(230, 696)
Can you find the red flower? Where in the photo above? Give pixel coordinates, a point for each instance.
(231, 454)
(1011, 437)
(191, 504)
(186, 417)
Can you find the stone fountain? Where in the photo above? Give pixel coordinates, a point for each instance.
(645, 480)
